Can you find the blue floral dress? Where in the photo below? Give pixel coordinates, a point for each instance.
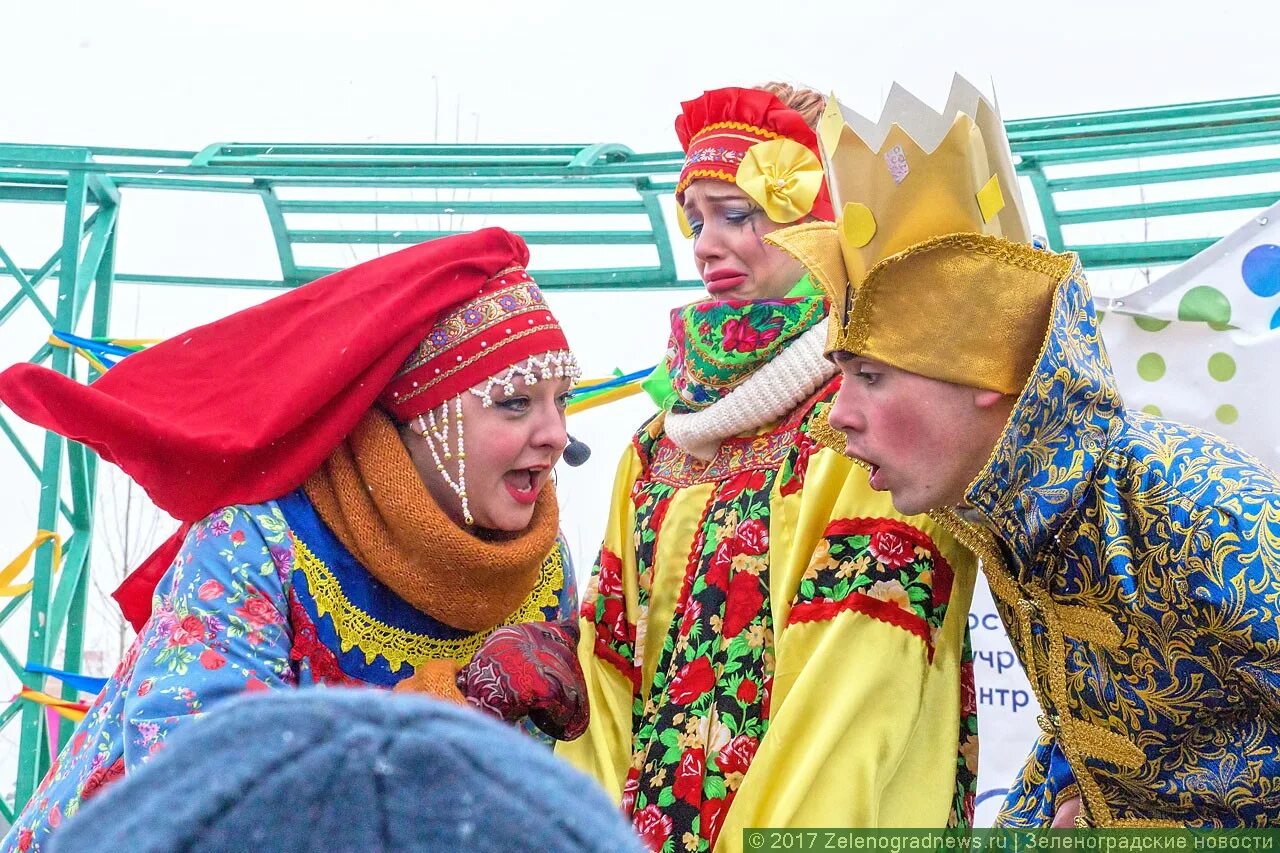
(260, 597)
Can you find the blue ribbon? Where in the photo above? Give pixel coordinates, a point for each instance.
(83, 683)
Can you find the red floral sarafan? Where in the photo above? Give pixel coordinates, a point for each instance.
(881, 567)
(604, 606)
(706, 711)
(967, 758)
(891, 548)
(692, 681)
(653, 827)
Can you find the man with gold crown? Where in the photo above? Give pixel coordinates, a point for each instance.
(1135, 562)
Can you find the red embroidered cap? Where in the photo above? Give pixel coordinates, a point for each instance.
(718, 132)
(505, 331)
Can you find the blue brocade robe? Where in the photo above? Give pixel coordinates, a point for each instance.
(259, 597)
(1136, 566)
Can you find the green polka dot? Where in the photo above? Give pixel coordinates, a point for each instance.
(1227, 414)
(1222, 366)
(1207, 305)
(1150, 324)
(1152, 409)
(1151, 366)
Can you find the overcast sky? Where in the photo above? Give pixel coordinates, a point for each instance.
(132, 72)
(167, 75)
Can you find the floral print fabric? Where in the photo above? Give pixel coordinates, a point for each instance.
(218, 628)
(702, 718)
(227, 618)
(715, 345)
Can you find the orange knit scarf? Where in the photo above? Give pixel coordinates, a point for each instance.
(372, 497)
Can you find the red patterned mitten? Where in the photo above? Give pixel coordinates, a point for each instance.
(531, 670)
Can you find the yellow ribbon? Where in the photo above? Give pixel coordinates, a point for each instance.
(135, 342)
(7, 588)
(783, 177)
(73, 711)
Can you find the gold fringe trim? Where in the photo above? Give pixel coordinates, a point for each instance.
(1092, 626)
(375, 638)
(1101, 743)
(981, 542)
(825, 434)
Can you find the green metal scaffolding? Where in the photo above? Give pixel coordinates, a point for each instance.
(626, 195)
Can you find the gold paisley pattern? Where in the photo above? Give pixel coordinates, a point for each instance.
(1140, 584)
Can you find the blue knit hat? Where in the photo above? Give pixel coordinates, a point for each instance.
(347, 769)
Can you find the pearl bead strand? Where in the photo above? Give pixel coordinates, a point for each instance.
(430, 431)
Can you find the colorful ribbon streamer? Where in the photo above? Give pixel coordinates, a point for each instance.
(101, 366)
(8, 589)
(101, 353)
(73, 711)
(593, 386)
(83, 683)
(603, 398)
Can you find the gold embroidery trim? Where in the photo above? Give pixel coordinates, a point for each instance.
(436, 380)
(704, 173)
(397, 646)
(821, 430)
(1075, 737)
(458, 332)
(1072, 790)
(1092, 626)
(733, 125)
(1107, 745)
(980, 541)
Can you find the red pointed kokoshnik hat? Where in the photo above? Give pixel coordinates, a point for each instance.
(244, 409)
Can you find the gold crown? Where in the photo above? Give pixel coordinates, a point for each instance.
(898, 186)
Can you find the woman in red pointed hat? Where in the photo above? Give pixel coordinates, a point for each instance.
(362, 471)
(766, 642)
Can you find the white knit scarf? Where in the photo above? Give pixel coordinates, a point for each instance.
(763, 397)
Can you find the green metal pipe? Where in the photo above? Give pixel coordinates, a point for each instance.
(24, 284)
(72, 576)
(1153, 253)
(36, 195)
(33, 759)
(466, 207)
(1156, 148)
(1189, 110)
(1163, 176)
(557, 238)
(1167, 208)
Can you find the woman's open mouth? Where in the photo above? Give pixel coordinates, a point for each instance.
(523, 484)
